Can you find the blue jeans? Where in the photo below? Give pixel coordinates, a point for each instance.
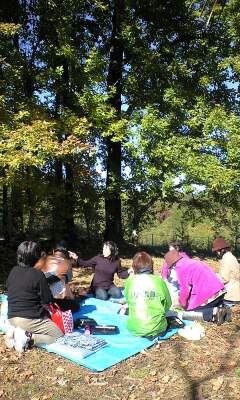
(104, 294)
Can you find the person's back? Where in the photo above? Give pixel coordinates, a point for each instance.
(148, 299)
(28, 293)
(229, 272)
(201, 280)
(24, 299)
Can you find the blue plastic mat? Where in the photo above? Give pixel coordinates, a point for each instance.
(120, 346)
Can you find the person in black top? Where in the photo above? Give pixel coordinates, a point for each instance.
(106, 265)
(28, 292)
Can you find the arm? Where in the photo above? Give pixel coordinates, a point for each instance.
(122, 272)
(126, 289)
(185, 290)
(168, 301)
(165, 270)
(165, 298)
(87, 263)
(45, 293)
(224, 272)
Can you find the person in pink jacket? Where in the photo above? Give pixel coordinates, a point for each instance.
(173, 245)
(200, 288)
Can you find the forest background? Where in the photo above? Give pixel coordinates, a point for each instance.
(119, 115)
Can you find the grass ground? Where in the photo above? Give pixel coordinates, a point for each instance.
(173, 369)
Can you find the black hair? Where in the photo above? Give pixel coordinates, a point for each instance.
(28, 253)
(61, 247)
(113, 249)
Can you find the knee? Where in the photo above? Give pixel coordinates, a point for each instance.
(115, 292)
(101, 294)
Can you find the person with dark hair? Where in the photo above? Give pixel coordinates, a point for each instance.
(28, 293)
(229, 271)
(105, 265)
(62, 251)
(201, 290)
(148, 298)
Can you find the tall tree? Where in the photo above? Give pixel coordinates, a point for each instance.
(113, 214)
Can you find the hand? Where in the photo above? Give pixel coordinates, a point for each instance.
(73, 255)
(130, 271)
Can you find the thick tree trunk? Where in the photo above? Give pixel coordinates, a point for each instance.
(16, 211)
(58, 203)
(69, 191)
(5, 227)
(69, 204)
(113, 221)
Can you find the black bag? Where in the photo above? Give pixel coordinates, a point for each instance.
(174, 322)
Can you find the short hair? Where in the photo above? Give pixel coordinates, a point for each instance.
(113, 249)
(142, 262)
(28, 253)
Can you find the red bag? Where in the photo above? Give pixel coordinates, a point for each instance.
(63, 319)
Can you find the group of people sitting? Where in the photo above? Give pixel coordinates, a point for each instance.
(186, 284)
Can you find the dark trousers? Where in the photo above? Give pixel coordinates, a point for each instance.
(207, 310)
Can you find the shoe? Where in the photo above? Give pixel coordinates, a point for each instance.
(220, 316)
(228, 316)
(21, 340)
(9, 338)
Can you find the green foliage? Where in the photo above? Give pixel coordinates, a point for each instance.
(177, 73)
(193, 226)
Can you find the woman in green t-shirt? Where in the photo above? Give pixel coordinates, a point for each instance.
(148, 298)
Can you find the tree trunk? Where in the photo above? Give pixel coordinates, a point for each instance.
(113, 220)
(58, 203)
(69, 191)
(69, 204)
(16, 212)
(5, 227)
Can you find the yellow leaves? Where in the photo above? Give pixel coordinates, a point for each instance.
(117, 130)
(71, 145)
(8, 29)
(36, 143)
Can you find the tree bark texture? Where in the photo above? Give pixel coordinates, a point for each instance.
(113, 227)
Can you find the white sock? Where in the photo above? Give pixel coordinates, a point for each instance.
(215, 310)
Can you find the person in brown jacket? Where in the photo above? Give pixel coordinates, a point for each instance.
(229, 271)
(55, 268)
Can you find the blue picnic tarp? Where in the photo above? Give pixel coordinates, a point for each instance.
(120, 346)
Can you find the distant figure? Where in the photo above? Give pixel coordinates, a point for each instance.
(134, 237)
(229, 271)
